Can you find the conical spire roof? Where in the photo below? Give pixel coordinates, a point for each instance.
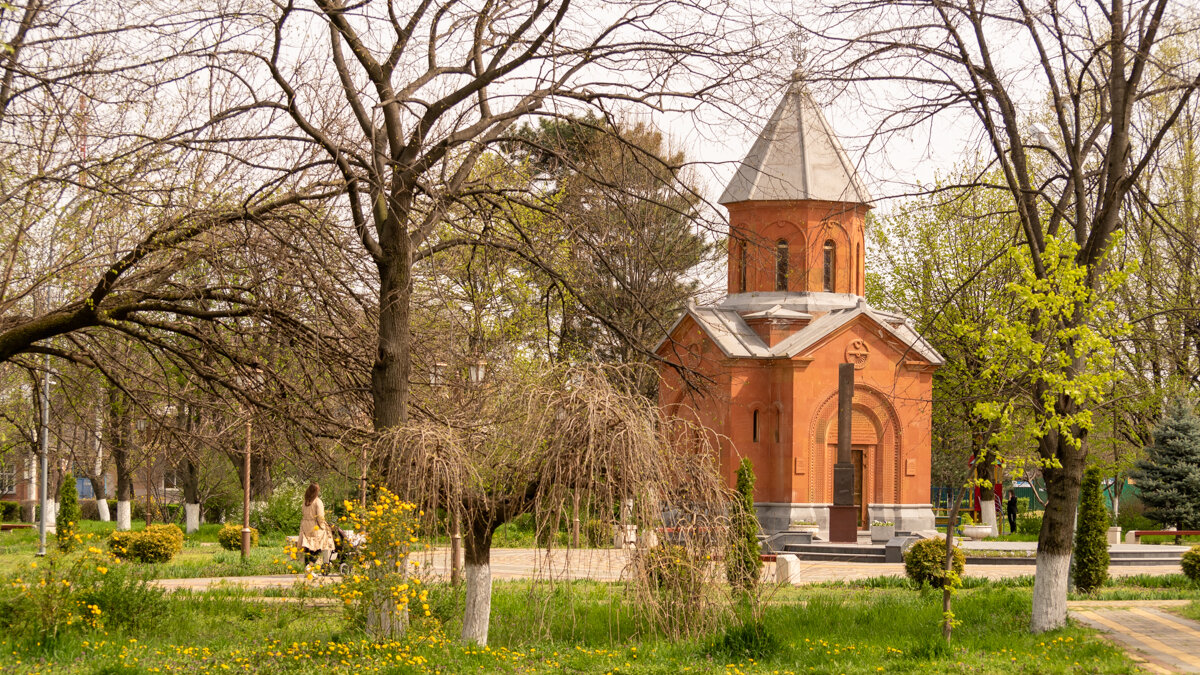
(797, 156)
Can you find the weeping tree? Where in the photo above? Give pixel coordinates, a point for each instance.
(536, 439)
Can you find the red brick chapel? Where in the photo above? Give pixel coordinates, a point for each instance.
(768, 353)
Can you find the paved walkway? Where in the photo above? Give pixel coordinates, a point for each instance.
(1165, 643)
(610, 564)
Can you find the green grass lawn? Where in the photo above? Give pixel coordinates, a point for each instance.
(582, 627)
(201, 555)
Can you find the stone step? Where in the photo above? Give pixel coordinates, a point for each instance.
(836, 548)
(809, 556)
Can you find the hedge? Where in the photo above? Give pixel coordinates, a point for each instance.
(9, 511)
(1030, 522)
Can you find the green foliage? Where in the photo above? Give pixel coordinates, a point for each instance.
(1091, 542)
(281, 512)
(1029, 522)
(9, 511)
(1191, 564)
(156, 543)
(597, 533)
(1169, 476)
(669, 569)
(69, 593)
(230, 537)
(743, 564)
(66, 521)
(925, 562)
(750, 638)
(1059, 343)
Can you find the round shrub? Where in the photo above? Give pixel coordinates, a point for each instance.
(156, 543)
(924, 562)
(66, 522)
(1191, 564)
(230, 537)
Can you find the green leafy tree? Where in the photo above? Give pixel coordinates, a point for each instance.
(1091, 542)
(1169, 476)
(744, 564)
(66, 522)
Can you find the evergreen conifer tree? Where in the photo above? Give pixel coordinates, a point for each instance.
(1091, 543)
(1169, 476)
(66, 522)
(743, 566)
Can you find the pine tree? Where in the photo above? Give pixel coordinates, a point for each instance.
(744, 564)
(1169, 476)
(1091, 544)
(66, 522)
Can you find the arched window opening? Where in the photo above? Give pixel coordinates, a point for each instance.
(754, 427)
(778, 424)
(741, 266)
(830, 264)
(781, 265)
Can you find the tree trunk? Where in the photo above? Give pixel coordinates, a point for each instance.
(1056, 539)
(478, 553)
(101, 496)
(120, 430)
(947, 589)
(191, 496)
(389, 375)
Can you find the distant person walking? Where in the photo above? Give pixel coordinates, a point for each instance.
(316, 537)
(1012, 512)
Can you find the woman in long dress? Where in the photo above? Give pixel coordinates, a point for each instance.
(316, 537)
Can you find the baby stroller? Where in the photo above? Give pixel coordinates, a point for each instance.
(345, 550)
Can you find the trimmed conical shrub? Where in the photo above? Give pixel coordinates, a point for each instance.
(66, 522)
(744, 563)
(1091, 542)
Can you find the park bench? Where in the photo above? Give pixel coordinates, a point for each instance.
(5, 527)
(1135, 536)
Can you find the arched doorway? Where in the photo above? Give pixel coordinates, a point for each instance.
(875, 451)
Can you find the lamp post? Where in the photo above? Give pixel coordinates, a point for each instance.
(43, 460)
(246, 499)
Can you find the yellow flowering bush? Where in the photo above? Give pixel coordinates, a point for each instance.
(53, 595)
(156, 543)
(230, 537)
(383, 584)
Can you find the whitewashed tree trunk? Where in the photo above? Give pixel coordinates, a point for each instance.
(988, 513)
(51, 516)
(191, 514)
(477, 614)
(1050, 587)
(102, 507)
(477, 555)
(124, 516)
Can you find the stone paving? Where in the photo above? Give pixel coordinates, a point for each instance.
(1165, 642)
(609, 565)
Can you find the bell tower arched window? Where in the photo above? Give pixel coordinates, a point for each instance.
(741, 248)
(830, 265)
(781, 265)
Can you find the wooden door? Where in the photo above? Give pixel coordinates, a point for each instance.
(858, 455)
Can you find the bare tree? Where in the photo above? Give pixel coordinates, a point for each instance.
(426, 87)
(1098, 64)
